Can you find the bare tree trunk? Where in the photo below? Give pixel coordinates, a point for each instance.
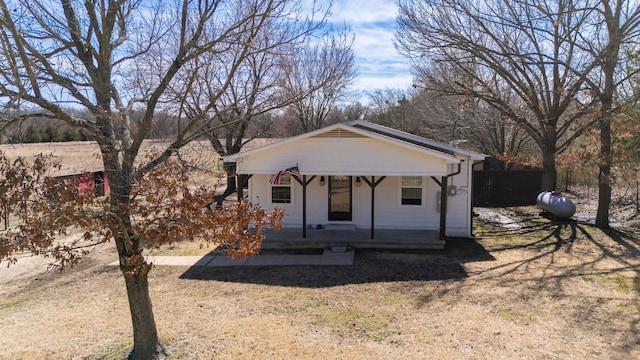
(145, 335)
(135, 270)
(604, 173)
(615, 19)
(548, 171)
(230, 169)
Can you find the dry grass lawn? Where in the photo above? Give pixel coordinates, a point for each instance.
(543, 290)
(531, 288)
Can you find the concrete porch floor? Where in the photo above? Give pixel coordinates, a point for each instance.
(291, 238)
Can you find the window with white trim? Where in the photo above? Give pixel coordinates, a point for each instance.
(281, 193)
(411, 190)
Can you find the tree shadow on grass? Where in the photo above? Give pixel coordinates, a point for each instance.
(369, 266)
(629, 240)
(561, 235)
(555, 233)
(609, 256)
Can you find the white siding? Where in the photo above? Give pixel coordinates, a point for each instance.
(317, 200)
(392, 215)
(389, 213)
(343, 156)
(459, 206)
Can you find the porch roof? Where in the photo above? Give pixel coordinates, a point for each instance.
(357, 148)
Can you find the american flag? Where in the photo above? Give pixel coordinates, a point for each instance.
(293, 171)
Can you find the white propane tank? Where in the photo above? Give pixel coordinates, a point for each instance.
(556, 204)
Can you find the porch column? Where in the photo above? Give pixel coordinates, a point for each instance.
(304, 206)
(304, 182)
(373, 205)
(443, 208)
(372, 184)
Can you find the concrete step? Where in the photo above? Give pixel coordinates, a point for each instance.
(340, 226)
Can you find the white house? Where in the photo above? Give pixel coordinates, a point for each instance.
(365, 175)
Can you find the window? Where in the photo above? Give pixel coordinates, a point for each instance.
(281, 193)
(411, 190)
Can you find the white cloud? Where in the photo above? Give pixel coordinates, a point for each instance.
(370, 83)
(376, 40)
(364, 11)
(373, 22)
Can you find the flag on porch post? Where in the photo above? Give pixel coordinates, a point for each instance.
(293, 171)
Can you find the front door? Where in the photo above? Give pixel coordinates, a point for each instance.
(340, 198)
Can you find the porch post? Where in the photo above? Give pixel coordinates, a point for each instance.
(304, 206)
(373, 199)
(304, 182)
(373, 183)
(443, 208)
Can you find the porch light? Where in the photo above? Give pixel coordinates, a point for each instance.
(321, 180)
(358, 181)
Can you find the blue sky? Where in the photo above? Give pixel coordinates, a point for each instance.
(373, 22)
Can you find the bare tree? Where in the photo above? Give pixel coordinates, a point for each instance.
(471, 122)
(389, 107)
(454, 119)
(612, 33)
(492, 133)
(349, 112)
(382, 100)
(114, 57)
(234, 98)
(499, 50)
(327, 66)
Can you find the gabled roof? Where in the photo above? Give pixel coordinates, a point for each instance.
(415, 139)
(367, 129)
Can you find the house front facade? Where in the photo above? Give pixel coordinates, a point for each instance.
(363, 175)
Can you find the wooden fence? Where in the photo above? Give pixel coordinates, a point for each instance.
(506, 187)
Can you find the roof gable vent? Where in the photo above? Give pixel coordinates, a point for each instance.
(338, 133)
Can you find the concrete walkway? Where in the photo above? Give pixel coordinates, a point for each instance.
(328, 257)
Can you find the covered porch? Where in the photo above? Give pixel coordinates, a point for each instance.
(331, 237)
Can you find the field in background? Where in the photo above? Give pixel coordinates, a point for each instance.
(75, 156)
(80, 156)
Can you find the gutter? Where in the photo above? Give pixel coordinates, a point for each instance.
(443, 201)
